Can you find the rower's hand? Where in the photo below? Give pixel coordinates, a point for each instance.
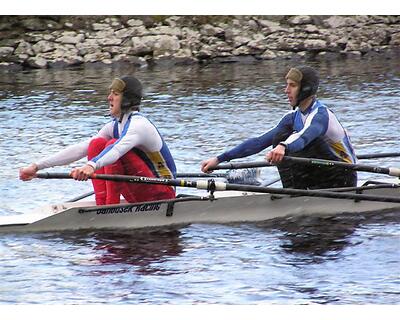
(207, 165)
(82, 173)
(28, 173)
(276, 154)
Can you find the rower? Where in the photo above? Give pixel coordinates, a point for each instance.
(309, 130)
(130, 144)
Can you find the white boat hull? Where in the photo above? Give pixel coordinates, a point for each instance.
(227, 207)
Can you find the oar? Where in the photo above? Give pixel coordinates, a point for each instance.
(83, 196)
(378, 155)
(211, 185)
(201, 175)
(236, 177)
(358, 167)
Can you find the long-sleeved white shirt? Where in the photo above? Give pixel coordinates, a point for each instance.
(134, 132)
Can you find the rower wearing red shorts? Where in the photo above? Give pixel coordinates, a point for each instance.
(130, 145)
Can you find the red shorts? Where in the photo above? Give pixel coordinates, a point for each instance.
(109, 192)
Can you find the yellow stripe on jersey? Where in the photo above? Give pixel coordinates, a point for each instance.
(341, 151)
(159, 164)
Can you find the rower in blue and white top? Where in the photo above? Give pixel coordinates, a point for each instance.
(311, 130)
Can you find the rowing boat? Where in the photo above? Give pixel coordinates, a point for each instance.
(220, 207)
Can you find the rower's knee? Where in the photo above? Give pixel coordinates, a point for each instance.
(97, 145)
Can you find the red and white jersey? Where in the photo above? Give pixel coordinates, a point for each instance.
(133, 133)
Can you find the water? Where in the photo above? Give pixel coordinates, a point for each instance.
(201, 110)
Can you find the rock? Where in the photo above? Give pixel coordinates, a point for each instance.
(6, 52)
(125, 33)
(37, 62)
(36, 24)
(24, 48)
(361, 47)
(43, 46)
(253, 25)
(395, 41)
(191, 37)
(89, 46)
(300, 20)
(258, 44)
(124, 58)
(97, 56)
(240, 41)
(268, 55)
(71, 39)
(290, 44)
(165, 30)
(62, 63)
(100, 26)
(309, 28)
(269, 27)
(334, 22)
(166, 45)
(204, 53)
(134, 23)
(315, 44)
(111, 42)
(241, 51)
(141, 46)
(10, 67)
(22, 57)
(209, 30)
(171, 40)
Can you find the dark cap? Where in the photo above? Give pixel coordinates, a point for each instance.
(308, 79)
(131, 89)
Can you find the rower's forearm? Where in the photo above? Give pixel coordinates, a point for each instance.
(64, 157)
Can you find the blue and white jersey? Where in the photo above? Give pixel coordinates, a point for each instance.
(317, 124)
(133, 133)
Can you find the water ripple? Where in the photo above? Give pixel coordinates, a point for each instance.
(201, 111)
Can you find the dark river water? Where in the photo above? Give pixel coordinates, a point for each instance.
(201, 111)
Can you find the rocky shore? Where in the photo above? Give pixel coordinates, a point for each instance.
(68, 41)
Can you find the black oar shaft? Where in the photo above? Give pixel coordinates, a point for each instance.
(312, 193)
(329, 163)
(358, 167)
(378, 155)
(221, 186)
(124, 178)
(201, 175)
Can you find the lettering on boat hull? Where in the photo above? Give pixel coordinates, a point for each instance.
(142, 208)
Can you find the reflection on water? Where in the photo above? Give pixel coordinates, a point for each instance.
(319, 238)
(313, 239)
(146, 250)
(201, 111)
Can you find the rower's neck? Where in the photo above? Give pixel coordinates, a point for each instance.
(306, 103)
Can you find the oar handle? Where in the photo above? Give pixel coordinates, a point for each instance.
(53, 175)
